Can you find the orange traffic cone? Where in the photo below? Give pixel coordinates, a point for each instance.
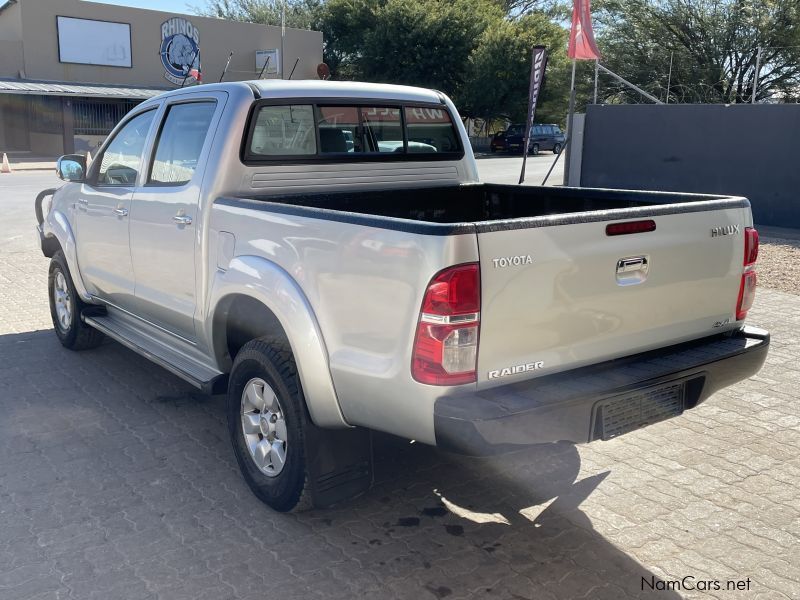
(5, 168)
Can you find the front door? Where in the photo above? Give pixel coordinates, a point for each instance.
(164, 215)
(103, 213)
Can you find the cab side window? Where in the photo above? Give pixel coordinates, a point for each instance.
(119, 164)
(180, 142)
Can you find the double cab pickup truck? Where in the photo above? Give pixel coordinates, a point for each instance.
(325, 255)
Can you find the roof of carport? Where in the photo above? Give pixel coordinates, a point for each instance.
(63, 88)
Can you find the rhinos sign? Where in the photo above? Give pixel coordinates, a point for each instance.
(180, 53)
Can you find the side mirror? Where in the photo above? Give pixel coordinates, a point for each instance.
(72, 167)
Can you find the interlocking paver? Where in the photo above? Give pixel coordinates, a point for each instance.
(117, 481)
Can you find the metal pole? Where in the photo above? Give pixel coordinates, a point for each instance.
(191, 64)
(629, 84)
(570, 119)
(294, 67)
(596, 76)
(669, 77)
(227, 64)
(283, 32)
(755, 78)
(264, 67)
(553, 166)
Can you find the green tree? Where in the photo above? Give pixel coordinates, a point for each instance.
(414, 42)
(499, 71)
(300, 14)
(714, 44)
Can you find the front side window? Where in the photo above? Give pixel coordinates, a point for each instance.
(119, 164)
(286, 130)
(180, 142)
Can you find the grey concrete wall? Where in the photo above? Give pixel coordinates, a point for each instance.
(748, 150)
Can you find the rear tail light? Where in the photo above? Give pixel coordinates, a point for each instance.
(446, 343)
(747, 287)
(750, 246)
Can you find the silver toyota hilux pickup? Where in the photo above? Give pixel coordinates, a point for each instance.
(324, 254)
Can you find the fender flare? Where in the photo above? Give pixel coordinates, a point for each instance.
(272, 286)
(57, 225)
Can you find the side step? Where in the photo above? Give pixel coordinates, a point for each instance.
(201, 376)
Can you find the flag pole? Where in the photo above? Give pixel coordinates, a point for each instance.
(538, 66)
(570, 121)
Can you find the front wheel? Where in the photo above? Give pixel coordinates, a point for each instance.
(267, 422)
(556, 148)
(66, 307)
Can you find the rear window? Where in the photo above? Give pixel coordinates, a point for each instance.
(284, 131)
(351, 132)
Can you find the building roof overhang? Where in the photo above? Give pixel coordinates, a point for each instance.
(70, 89)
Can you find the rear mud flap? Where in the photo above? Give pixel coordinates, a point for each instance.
(339, 464)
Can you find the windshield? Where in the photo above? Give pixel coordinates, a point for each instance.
(516, 130)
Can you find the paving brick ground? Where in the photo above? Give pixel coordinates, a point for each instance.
(117, 481)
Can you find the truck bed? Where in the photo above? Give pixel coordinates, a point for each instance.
(557, 290)
(482, 203)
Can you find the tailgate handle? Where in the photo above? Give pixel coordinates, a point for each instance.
(632, 270)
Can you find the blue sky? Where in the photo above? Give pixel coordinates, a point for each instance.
(177, 6)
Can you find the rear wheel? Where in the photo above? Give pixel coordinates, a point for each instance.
(267, 422)
(66, 307)
(556, 148)
(534, 149)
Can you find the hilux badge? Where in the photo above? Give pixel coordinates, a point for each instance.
(724, 230)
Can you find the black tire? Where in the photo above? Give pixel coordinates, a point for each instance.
(534, 149)
(273, 363)
(556, 148)
(75, 335)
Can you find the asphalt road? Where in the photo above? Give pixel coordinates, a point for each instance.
(117, 481)
(506, 169)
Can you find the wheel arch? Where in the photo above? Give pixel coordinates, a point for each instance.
(255, 298)
(58, 235)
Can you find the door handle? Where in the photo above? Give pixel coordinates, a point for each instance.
(83, 204)
(121, 212)
(632, 270)
(182, 219)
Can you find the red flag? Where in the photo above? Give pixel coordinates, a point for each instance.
(195, 72)
(581, 37)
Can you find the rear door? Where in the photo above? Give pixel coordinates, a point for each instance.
(567, 295)
(104, 204)
(165, 231)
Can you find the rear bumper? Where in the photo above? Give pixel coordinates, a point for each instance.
(601, 401)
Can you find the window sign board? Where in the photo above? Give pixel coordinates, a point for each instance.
(90, 42)
(274, 61)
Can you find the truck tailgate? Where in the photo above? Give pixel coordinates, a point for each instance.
(559, 293)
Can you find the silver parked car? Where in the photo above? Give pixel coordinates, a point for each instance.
(324, 254)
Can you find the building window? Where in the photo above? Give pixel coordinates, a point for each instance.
(45, 114)
(98, 117)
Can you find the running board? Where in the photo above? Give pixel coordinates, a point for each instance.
(199, 375)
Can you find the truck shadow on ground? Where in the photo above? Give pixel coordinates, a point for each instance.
(132, 474)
